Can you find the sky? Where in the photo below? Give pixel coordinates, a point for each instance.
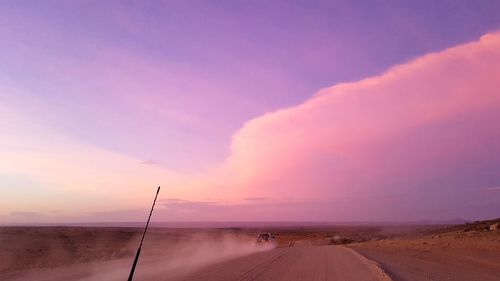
(249, 110)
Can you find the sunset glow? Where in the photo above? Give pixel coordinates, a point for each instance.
(252, 113)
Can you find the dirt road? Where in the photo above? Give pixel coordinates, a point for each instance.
(323, 263)
(295, 263)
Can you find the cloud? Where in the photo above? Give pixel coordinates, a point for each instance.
(416, 130)
(494, 188)
(254, 198)
(180, 205)
(250, 210)
(410, 143)
(26, 214)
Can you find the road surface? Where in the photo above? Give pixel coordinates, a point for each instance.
(301, 263)
(325, 263)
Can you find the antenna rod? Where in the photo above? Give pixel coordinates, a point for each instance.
(131, 276)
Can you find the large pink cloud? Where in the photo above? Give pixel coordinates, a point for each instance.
(418, 129)
(420, 141)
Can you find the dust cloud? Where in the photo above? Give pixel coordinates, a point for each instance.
(60, 254)
(183, 257)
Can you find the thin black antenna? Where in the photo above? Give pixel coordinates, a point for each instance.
(131, 276)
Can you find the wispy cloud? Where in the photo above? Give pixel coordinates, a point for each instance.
(255, 198)
(26, 215)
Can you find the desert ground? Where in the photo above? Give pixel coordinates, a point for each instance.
(320, 252)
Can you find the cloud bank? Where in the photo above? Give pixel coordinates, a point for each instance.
(420, 139)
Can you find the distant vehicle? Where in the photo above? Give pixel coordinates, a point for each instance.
(265, 237)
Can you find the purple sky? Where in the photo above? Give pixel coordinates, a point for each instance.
(92, 88)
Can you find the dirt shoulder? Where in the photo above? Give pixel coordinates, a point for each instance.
(458, 255)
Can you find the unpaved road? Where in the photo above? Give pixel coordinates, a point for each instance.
(323, 263)
(302, 263)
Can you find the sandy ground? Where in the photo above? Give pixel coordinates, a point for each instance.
(459, 256)
(467, 252)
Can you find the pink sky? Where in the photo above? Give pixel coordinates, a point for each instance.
(87, 137)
